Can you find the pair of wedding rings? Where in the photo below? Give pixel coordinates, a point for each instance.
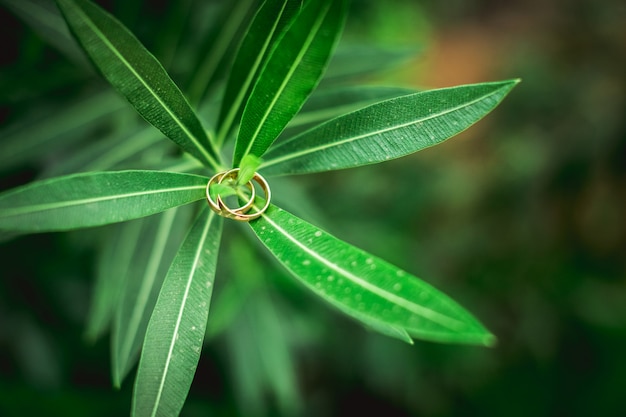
(241, 213)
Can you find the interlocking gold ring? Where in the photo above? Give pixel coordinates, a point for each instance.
(240, 213)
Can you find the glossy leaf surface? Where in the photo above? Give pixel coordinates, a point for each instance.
(114, 261)
(353, 280)
(93, 199)
(292, 71)
(160, 238)
(176, 330)
(327, 104)
(386, 130)
(137, 75)
(268, 23)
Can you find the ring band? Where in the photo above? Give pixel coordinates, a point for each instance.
(239, 213)
(218, 178)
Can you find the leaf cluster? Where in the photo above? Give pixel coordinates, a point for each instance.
(156, 293)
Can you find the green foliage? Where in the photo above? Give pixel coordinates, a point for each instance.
(95, 198)
(269, 22)
(176, 330)
(114, 264)
(386, 130)
(153, 286)
(293, 69)
(249, 165)
(42, 131)
(138, 76)
(159, 239)
(364, 286)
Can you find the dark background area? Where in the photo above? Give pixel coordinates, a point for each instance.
(520, 219)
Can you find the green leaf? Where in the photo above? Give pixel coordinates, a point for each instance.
(222, 190)
(176, 330)
(41, 134)
(354, 280)
(292, 71)
(170, 36)
(112, 152)
(324, 105)
(212, 58)
(269, 367)
(269, 22)
(379, 326)
(137, 75)
(97, 198)
(249, 166)
(114, 260)
(160, 240)
(386, 130)
(352, 62)
(44, 18)
(245, 279)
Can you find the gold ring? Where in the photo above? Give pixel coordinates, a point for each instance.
(239, 213)
(218, 206)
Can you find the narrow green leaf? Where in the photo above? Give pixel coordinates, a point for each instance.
(44, 18)
(268, 23)
(130, 68)
(386, 130)
(184, 163)
(222, 190)
(212, 58)
(291, 72)
(249, 166)
(97, 198)
(169, 38)
(354, 280)
(114, 261)
(263, 361)
(176, 330)
(111, 152)
(54, 130)
(326, 104)
(379, 326)
(245, 278)
(160, 239)
(353, 62)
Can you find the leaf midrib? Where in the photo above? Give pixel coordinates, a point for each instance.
(228, 120)
(312, 116)
(427, 313)
(70, 203)
(295, 155)
(196, 261)
(147, 281)
(312, 34)
(115, 51)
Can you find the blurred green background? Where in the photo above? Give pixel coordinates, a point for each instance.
(520, 219)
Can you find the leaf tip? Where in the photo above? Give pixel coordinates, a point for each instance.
(248, 166)
(514, 82)
(116, 379)
(489, 340)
